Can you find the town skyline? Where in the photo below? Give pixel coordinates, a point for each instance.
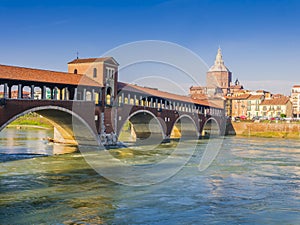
(259, 39)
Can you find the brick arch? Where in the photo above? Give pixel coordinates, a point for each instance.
(206, 124)
(140, 120)
(190, 119)
(71, 124)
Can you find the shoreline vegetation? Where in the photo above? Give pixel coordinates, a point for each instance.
(31, 120)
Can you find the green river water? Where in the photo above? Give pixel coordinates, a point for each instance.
(251, 181)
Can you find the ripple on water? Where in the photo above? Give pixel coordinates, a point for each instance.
(252, 181)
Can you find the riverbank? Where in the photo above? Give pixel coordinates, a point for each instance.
(268, 130)
(249, 129)
(29, 127)
(32, 120)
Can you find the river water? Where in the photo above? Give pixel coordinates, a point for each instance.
(252, 181)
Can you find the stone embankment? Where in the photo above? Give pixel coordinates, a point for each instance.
(265, 129)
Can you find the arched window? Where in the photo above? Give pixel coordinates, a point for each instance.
(108, 96)
(75, 71)
(95, 72)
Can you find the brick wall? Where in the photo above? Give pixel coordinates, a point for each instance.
(278, 129)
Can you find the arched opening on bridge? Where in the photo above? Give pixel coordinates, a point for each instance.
(14, 91)
(142, 128)
(48, 93)
(108, 96)
(88, 96)
(120, 100)
(2, 91)
(37, 93)
(184, 128)
(26, 92)
(126, 100)
(211, 128)
(131, 102)
(96, 98)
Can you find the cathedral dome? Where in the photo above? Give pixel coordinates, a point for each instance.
(219, 64)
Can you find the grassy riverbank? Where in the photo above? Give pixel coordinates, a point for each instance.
(31, 120)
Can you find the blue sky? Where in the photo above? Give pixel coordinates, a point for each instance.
(259, 39)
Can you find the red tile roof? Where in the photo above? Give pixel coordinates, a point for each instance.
(155, 92)
(45, 76)
(239, 97)
(255, 97)
(276, 101)
(89, 60)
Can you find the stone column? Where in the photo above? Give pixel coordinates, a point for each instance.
(128, 96)
(93, 95)
(9, 91)
(55, 90)
(61, 94)
(51, 93)
(146, 102)
(44, 89)
(122, 98)
(5, 94)
(66, 93)
(84, 94)
(100, 97)
(32, 92)
(75, 94)
(20, 91)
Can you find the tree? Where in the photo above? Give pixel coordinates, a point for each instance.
(282, 115)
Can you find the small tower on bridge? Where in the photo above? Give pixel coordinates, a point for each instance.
(103, 70)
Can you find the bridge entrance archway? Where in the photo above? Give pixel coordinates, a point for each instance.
(143, 128)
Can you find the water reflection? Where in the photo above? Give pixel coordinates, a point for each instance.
(54, 189)
(23, 143)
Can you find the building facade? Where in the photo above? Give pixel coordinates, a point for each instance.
(253, 103)
(276, 107)
(236, 106)
(295, 99)
(102, 70)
